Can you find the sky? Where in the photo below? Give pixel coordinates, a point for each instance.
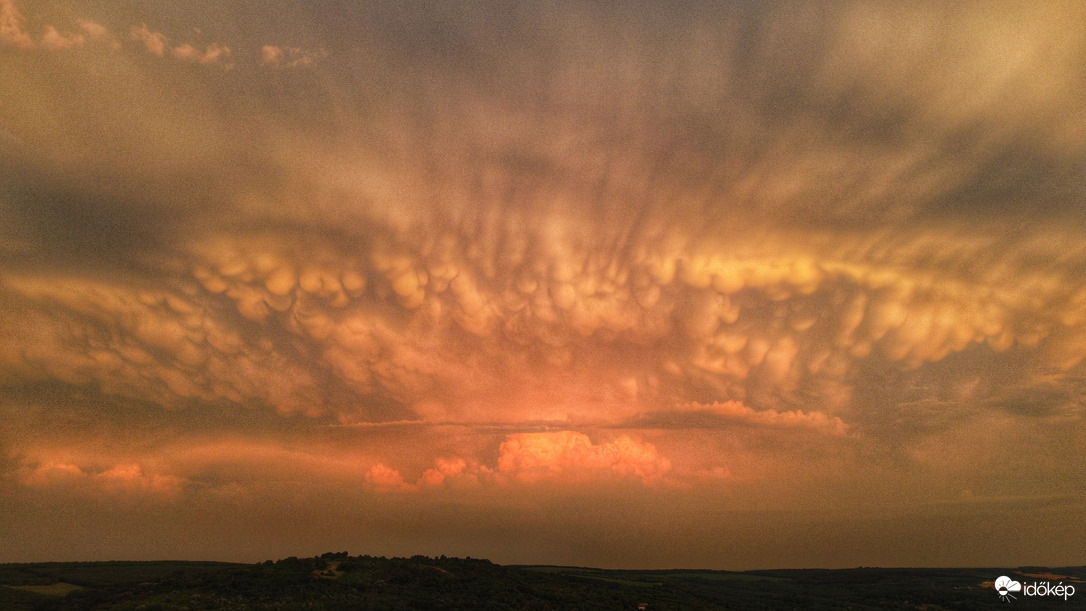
(637, 285)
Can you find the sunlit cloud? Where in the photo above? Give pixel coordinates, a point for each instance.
(13, 26)
(289, 57)
(696, 415)
(758, 258)
(214, 53)
(117, 479)
(567, 454)
(154, 42)
(54, 40)
(89, 32)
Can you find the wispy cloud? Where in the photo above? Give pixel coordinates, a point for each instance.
(13, 26)
(289, 57)
(155, 43)
(213, 54)
(89, 33)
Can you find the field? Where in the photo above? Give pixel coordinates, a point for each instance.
(340, 581)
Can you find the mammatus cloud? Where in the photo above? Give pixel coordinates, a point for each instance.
(749, 259)
(425, 328)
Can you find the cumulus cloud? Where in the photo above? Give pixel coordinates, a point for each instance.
(385, 478)
(116, 479)
(443, 469)
(560, 457)
(532, 457)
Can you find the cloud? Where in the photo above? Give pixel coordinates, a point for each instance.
(571, 456)
(54, 40)
(126, 478)
(386, 479)
(90, 32)
(528, 459)
(213, 54)
(442, 332)
(13, 26)
(271, 55)
(155, 344)
(697, 415)
(95, 31)
(774, 255)
(443, 469)
(154, 42)
(13, 33)
(446, 473)
(289, 57)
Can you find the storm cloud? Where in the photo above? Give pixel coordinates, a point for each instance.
(814, 267)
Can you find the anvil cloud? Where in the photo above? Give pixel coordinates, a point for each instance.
(727, 285)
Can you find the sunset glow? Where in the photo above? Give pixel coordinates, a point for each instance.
(721, 285)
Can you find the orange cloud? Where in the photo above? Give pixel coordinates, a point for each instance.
(271, 55)
(443, 469)
(212, 54)
(386, 479)
(648, 247)
(54, 40)
(571, 456)
(120, 478)
(156, 43)
(133, 478)
(289, 57)
(153, 42)
(91, 32)
(564, 457)
(735, 411)
(13, 26)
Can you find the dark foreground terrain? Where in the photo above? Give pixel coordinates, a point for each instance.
(339, 581)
